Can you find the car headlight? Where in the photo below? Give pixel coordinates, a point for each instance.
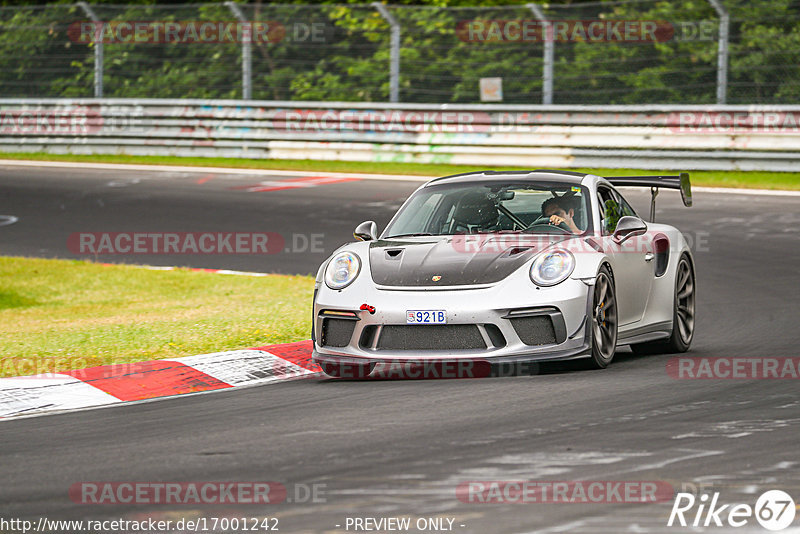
(552, 268)
(342, 270)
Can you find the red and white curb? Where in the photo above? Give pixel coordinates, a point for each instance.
(121, 383)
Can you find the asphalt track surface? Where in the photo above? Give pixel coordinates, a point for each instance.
(400, 448)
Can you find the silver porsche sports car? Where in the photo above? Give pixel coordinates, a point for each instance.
(508, 267)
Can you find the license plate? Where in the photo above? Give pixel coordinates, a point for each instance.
(426, 317)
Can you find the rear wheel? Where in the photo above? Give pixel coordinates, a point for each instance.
(603, 320)
(683, 315)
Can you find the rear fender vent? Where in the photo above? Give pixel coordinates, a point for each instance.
(661, 248)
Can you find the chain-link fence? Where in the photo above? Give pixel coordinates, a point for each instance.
(619, 52)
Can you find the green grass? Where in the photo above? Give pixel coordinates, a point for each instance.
(60, 314)
(740, 179)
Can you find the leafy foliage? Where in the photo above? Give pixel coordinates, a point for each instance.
(347, 59)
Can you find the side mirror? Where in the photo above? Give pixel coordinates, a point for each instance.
(686, 189)
(628, 227)
(366, 231)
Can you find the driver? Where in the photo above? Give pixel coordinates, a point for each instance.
(558, 210)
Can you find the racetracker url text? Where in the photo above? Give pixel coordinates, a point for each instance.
(149, 525)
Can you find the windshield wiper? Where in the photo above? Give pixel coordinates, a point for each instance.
(417, 234)
(532, 230)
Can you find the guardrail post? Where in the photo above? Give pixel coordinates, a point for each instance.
(98, 48)
(247, 51)
(549, 53)
(394, 58)
(722, 51)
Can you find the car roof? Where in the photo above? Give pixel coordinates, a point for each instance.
(542, 175)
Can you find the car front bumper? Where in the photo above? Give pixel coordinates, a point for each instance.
(497, 314)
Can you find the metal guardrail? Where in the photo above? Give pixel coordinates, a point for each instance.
(646, 137)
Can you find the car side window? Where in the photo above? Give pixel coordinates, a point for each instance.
(625, 209)
(610, 211)
(600, 204)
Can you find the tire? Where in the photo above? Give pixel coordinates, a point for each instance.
(347, 370)
(603, 320)
(683, 315)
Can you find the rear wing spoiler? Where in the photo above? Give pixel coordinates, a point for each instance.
(680, 182)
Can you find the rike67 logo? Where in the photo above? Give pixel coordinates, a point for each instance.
(774, 510)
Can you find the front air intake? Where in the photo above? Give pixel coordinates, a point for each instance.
(430, 337)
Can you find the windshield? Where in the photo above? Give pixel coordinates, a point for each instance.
(490, 207)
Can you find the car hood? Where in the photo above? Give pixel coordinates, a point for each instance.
(453, 260)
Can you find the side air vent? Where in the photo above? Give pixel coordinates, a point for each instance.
(495, 335)
(536, 330)
(337, 332)
(661, 246)
(368, 336)
(519, 250)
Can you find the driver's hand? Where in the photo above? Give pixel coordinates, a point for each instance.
(557, 219)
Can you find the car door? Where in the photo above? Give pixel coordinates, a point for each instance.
(631, 261)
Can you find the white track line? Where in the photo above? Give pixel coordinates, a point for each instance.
(192, 269)
(271, 172)
(5, 220)
(217, 170)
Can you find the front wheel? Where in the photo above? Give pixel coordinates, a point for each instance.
(682, 316)
(603, 320)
